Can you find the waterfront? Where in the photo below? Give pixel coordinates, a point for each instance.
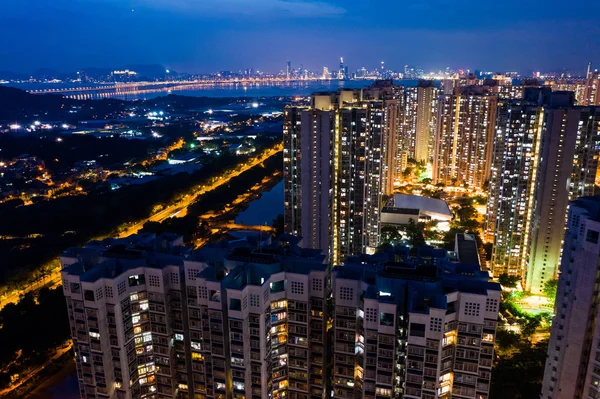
(263, 210)
(218, 90)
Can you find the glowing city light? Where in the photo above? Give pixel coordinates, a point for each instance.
(254, 105)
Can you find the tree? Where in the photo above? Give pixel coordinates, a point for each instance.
(426, 180)
(508, 281)
(415, 233)
(520, 376)
(550, 288)
(507, 339)
(531, 324)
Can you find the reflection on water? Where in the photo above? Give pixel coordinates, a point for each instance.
(63, 385)
(241, 90)
(264, 209)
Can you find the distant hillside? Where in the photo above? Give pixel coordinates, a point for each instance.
(17, 104)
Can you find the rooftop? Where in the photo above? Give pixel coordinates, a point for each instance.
(402, 203)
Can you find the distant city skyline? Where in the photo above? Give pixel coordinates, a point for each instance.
(210, 35)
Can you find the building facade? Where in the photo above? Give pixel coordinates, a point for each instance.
(573, 362)
(464, 137)
(340, 156)
(591, 91)
(419, 120)
(569, 150)
(512, 182)
(153, 319)
(403, 329)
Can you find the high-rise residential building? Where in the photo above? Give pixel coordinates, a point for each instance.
(572, 366)
(512, 180)
(568, 163)
(152, 319)
(409, 326)
(591, 93)
(464, 137)
(419, 123)
(336, 167)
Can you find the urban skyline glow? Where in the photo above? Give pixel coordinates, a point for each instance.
(192, 36)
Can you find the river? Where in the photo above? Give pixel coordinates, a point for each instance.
(239, 90)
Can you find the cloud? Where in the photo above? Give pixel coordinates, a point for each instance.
(257, 8)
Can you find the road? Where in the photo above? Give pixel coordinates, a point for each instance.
(33, 373)
(181, 206)
(178, 209)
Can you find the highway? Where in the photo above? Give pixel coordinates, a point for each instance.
(179, 209)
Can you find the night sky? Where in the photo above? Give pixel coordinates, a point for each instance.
(212, 35)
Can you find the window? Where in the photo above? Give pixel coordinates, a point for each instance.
(108, 292)
(154, 281)
(88, 295)
(592, 236)
(254, 300)
(202, 292)
(435, 324)
(417, 329)
(277, 286)
(386, 319)
(317, 285)
(491, 305)
(121, 288)
(471, 309)
(75, 288)
(346, 293)
(297, 288)
(244, 302)
(99, 293)
(371, 315)
(174, 278)
(136, 279)
(192, 273)
(235, 304)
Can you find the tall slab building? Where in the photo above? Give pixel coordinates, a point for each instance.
(152, 319)
(337, 165)
(569, 151)
(419, 120)
(464, 137)
(572, 365)
(512, 181)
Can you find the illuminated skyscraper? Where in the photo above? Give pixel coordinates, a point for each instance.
(464, 137)
(335, 159)
(512, 181)
(591, 93)
(153, 319)
(569, 150)
(419, 122)
(572, 370)
(407, 326)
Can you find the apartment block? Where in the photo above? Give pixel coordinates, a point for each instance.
(337, 165)
(573, 362)
(464, 137)
(153, 319)
(412, 326)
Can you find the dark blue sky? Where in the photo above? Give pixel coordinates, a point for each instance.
(210, 35)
